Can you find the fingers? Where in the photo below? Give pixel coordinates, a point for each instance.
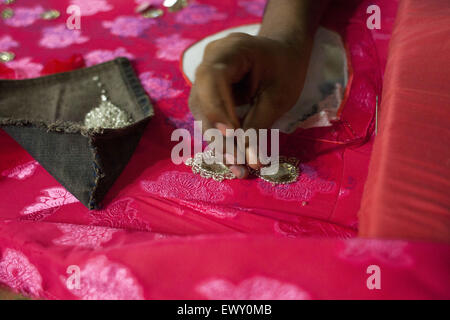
(226, 62)
(267, 108)
(212, 99)
(241, 172)
(251, 157)
(207, 101)
(229, 155)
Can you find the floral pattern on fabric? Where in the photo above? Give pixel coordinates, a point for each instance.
(24, 68)
(256, 288)
(170, 48)
(91, 7)
(158, 88)
(187, 122)
(53, 199)
(21, 172)
(60, 37)
(390, 252)
(99, 56)
(6, 42)
(187, 186)
(102, 279)
(365, 96)
(303, 190)
(128, 26)
(255, 7)
(24, 17)
(121, 215)
(18, 273)
(198, 14)
(91, 237)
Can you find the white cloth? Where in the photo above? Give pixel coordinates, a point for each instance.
(326, 78)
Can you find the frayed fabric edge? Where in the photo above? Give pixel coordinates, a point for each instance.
(58, 126)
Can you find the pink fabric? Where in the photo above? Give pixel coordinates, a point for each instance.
(166, 233)
(123, 264)
(407, 192)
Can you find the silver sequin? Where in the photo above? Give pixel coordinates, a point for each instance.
(6, 56)
(153, 13)
(50, 14)
(175, 5)
(216, 171)
(7, 13)
(288, 172)
(107, 115)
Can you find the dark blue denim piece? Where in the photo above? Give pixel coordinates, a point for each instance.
(45, 116)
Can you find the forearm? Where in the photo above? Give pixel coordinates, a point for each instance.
(292, 21)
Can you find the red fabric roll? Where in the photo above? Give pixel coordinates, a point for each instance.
(407, 191)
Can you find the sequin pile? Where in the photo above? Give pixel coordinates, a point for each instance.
(107, 115)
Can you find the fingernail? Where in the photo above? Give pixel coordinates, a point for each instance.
(219, 66)
(238, 171)
(252, 159)
(223, 128)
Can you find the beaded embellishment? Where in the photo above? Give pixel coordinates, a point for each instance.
(216, 171)
(288, 170)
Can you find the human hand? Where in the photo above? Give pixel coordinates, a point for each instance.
(242, 69)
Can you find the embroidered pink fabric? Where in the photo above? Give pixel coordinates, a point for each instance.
(236, 239)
